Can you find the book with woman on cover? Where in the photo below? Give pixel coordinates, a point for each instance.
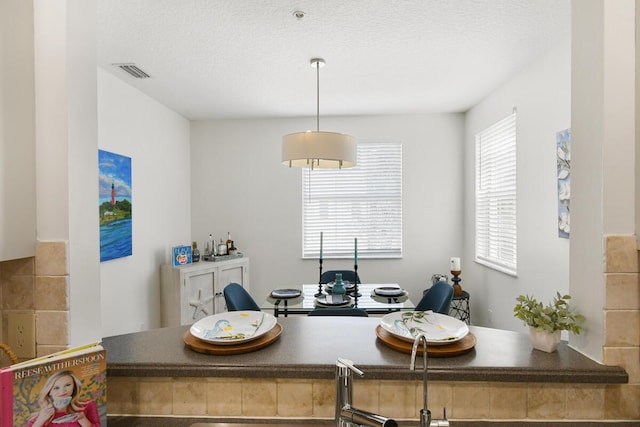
(64, 389)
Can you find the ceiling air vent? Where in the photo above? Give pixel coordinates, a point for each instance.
(134, 70)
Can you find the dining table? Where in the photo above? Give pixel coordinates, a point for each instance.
(313, 296)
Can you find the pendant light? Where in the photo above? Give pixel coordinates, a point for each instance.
(315, 149)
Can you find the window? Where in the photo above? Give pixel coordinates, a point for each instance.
(363, 202)
(496, 240)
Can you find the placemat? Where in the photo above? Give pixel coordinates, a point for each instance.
(200, 346)
(463, 346)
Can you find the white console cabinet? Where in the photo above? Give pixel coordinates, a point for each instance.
(194, 291)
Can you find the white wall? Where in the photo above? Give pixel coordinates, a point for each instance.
(82, 140)
(157, 140)
(541, 93)
(66, 144)
(239, 185)
(17, 132)
(604, 117)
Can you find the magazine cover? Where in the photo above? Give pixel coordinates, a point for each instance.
(65, 389)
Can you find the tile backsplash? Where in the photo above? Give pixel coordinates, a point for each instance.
(39, 284)
(622, 322)
(254, 398)
(622, 305)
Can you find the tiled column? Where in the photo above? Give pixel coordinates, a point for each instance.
(51, 297)
(38, 284)
(16, 293)
(622, 324)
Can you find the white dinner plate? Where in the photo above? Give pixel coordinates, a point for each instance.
(389, 291)
(439, 329)
(326, 301)
(286, 293)
(401, 297)
(347, 285)
(233, 327)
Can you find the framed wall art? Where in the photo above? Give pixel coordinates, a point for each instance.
(114, 171)
(563, 150)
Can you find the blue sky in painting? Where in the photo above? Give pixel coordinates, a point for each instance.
(116, 169)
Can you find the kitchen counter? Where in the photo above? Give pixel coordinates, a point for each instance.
(309, 346)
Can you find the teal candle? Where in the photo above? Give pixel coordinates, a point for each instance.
(321, 245)
(355, 252)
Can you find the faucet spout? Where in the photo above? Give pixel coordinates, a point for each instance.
(425, 414)
(364, 418)
(346, 415)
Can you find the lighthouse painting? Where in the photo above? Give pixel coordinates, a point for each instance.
(114, 177)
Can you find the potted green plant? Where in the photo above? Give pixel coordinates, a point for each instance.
(547, 321)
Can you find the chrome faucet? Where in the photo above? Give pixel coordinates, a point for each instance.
(425, 413)
(346, 415)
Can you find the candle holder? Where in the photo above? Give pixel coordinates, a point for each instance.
(319, 293)
(457, 288)
(356, 294)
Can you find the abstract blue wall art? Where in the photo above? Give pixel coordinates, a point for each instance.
(563, 149)
(114, 180)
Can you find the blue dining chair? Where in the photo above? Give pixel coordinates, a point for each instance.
(437, 298)
(348, 275)
(237, 298)
(347, 311)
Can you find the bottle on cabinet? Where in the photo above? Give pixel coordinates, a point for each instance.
(222, 248)
(209, 249)
(215, 248)
(195, 254)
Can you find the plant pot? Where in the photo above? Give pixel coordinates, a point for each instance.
(545, 341)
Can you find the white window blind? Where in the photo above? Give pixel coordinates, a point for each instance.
(496, 234)
(363, 202)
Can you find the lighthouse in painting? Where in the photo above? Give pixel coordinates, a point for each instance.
(113, 195)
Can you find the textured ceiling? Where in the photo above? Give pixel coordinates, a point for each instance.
(250, 58)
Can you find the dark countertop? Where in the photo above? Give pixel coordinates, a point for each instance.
(309, 347)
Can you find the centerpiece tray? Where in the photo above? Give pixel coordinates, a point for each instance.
(457, 348)
(200, 346)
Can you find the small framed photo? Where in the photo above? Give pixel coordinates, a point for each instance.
(181, 255)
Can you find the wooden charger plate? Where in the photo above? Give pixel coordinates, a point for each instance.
(200, 346)
(458, 348)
